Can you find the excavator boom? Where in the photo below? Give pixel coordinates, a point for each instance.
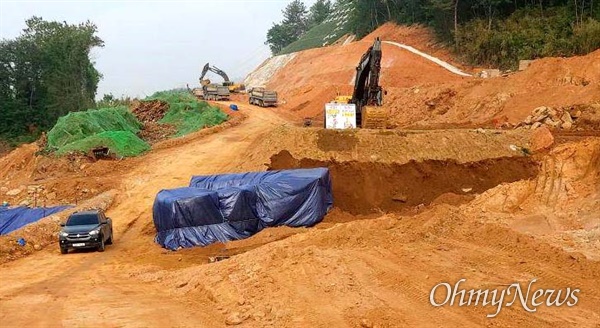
(233, 87)
(368, 94)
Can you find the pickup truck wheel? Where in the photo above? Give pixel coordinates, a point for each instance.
(109, 241)
(64, 250)
(101, 246)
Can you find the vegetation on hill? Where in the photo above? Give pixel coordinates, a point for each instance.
(46, 73)
(494, 32)
(297, 20)
(327, 31)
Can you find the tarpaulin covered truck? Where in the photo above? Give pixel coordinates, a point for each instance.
(220, 208)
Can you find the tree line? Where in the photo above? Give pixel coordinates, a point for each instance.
(45, 73)
(297, 20)
(497, 33)
(494, 32)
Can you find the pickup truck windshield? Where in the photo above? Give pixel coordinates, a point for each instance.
(82, 219)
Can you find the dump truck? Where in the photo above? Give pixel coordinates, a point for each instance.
(215, 92)
(262, 97)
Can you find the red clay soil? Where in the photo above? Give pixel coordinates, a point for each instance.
(419, 37)
(315, 76)
(423, 94)
(363, 188)
(149, 111)
(4, 148)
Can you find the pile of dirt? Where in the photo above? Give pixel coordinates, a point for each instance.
(375, 272)
(559, 206)
(398, 147)
(577, 117)
(32, 179)
(329, 71)
(153, 132)
(354, 272)
(150, 113)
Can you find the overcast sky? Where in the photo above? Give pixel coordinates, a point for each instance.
(158, 45)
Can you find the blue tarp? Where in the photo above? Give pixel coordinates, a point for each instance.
(221, 208)
(12, 219)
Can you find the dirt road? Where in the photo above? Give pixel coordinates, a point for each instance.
(353, 270)
(95, 289)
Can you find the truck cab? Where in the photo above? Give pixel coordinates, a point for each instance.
(87, 229)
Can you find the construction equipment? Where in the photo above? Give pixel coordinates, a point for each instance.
(262, 97)
(232, 86)
(368, 94)
(215, 92)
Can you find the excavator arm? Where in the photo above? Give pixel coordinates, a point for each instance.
(204, 71)
(367, 91)
(233, 87)
(215, 70)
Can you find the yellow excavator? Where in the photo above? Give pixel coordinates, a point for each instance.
(368, 94)
(233, 87)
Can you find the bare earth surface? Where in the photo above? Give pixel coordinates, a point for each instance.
(357, 268)
(413, 208)
(63, 288)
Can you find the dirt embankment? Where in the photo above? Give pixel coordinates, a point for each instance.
(355, 273)
(419, 37)
(370, 270)
(45, 232)
(422, 94)
(398, 147)
(560, 206)
(363, 188)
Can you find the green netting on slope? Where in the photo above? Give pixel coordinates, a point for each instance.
(80, 125)
(186, 113)
(175, 96)
(122, 143)
(188, 120)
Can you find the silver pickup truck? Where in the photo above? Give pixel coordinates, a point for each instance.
(262, 97)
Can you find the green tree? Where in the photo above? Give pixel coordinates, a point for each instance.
(45, 73)
(293, 26)
(368, 15)
(319, 12)
(296, 19)
(278, 37)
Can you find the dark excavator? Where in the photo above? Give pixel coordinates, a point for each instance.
(233, 87)
(368, 94)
